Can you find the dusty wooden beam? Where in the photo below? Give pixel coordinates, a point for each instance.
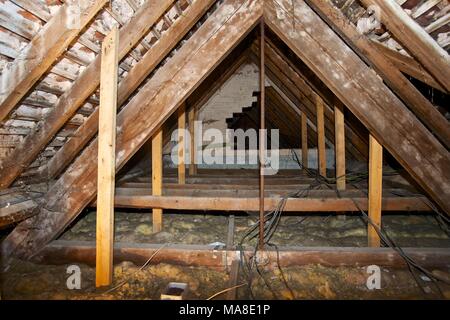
(139, 120)
(375, 190)
(364, 94)
(339, 145)
(230, 203)
(106, 159)
(181, 144)
(42, 51)
(390, 65)
(157, 176)
(321, 151)
(64, 252)
(415, 39)
(130, 83)
(305, 150)
(71, 100)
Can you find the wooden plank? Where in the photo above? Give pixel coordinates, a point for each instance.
(339, 145)
(192, 115)
(230, 203)
(390, 68)
(130, 83)
(157, 176)
(375, 190)
(321, 151)
(181, 144)
(305, 149)
(364, 94)
(72, 100)
(414, 38)
(42, 51)
(65, 252)
(106, 159)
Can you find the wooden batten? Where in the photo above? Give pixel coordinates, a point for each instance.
(106, 158)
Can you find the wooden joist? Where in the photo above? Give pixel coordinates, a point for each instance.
(42, 51)
(82, 88)
(139, 120)
(136, 75)
(364, 94)
(390, 65)
(415, 39)
(106, 159)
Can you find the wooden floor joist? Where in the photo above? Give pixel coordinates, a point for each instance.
(364, 94)
(63, 252)
(139, 120)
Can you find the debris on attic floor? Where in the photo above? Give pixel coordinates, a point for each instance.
(245, 149)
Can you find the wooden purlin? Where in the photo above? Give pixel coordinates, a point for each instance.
(138, 120)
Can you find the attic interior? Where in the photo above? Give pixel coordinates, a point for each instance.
(248, 149)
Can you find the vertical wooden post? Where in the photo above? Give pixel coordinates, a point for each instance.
(106, 159)
(157, 176)
(192, 115)
(375, 189)
(321, 137)
(304, 140)
(181, 144)
(339, 145)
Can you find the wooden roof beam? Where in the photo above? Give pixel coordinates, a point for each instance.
(72, 100)
(414, 38)
(127, 86)
(421, 107)
(42, 51)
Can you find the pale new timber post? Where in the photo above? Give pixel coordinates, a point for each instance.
(157, 172)
(106, 158)
(192, 150)
(322, 157)
(304, 120)
(339, 145)
(375, 189)
(181, 144)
